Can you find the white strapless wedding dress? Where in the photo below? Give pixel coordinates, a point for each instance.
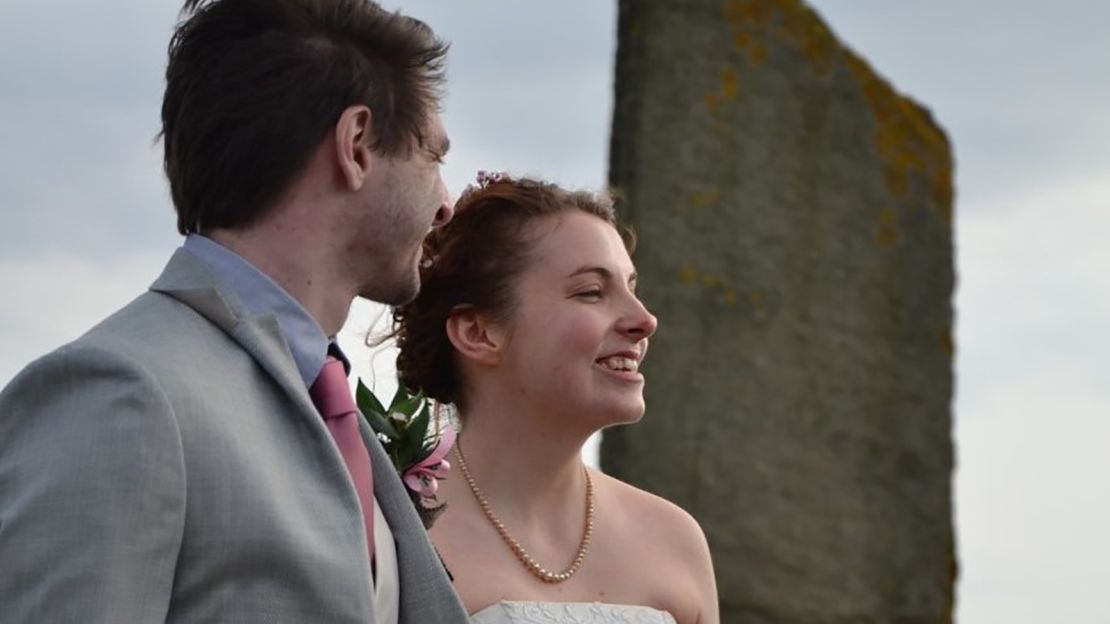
(514, 612)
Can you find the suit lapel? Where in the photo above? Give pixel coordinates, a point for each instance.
(426, 593)
(187, 279)
(389, 491)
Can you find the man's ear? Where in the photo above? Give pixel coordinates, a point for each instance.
(353, 135)
(475, 337)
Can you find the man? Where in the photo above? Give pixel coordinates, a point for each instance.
(171, 465)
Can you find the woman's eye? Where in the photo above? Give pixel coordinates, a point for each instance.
(594, 293)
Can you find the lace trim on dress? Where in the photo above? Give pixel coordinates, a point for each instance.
(519, 612)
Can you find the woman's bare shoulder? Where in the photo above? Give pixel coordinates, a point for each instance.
(664, 536)
(652, 514)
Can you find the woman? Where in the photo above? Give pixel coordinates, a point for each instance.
(529, 324)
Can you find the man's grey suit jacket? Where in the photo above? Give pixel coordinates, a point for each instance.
(169, 466)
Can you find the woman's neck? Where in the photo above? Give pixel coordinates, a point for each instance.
(526, 464)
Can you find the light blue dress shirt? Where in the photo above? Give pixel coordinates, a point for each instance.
(262, 295)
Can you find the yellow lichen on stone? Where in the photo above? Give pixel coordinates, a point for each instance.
(942, 192)
(796, 22)
(818, 44)
(721, 289)
(947, 343)
(711, 101)
(755, 298)
(757, 54)
(741, 39)
(728, 90)
(896, 179)
(907, 139)
(730, 84)
(754, 12)
(689, 274)
(699, 199)
(888, 234)
(745, 17)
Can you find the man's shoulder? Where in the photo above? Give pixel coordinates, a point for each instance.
(153, 321)
(150, 328)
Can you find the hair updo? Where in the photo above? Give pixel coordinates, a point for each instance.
(475, 261)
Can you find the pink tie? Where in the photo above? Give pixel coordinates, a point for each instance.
(333, 399)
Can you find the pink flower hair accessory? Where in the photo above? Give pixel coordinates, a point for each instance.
(484, 179)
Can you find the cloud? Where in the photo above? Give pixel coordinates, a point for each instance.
(56, 295)
(1032, 295)
(1032, 406)
(529, 87)
(1015, 83)
(1032, 503)
(82, 90)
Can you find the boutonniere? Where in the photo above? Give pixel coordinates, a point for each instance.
(416, 443)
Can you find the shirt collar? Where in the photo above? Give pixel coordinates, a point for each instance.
(262, 295)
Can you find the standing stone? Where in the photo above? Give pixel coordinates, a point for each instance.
(794, 215)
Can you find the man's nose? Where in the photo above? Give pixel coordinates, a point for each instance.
(446, 208)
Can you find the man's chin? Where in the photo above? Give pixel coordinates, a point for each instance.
(407, 296)
(396, 293)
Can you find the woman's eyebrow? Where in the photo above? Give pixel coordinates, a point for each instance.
(601, 271)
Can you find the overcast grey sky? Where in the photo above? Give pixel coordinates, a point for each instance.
(1020, 85)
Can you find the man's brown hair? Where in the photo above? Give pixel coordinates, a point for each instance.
(254, 86)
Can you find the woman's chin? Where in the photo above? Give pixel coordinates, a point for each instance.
(626, 414)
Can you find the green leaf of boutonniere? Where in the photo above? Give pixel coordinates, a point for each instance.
(398, 396)
(366, 399)
(414, 442)
(374, 413)
(403, 430)
(409, 406)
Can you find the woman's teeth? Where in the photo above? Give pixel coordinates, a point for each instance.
(620, 363)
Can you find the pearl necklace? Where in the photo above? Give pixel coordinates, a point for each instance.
(518, 550)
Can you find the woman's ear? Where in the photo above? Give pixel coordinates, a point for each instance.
(474, 336)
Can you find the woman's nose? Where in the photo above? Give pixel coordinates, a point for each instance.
(640, 322)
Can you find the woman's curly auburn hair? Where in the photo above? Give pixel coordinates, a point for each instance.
(475, 262)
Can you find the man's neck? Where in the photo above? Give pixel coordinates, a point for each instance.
(288, 255)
